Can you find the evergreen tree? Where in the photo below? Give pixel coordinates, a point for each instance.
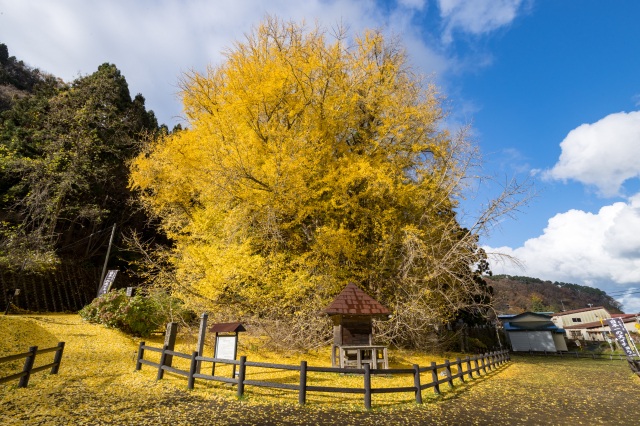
(63, 166)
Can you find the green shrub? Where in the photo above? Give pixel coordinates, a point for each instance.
(138, 315)
(105, 309)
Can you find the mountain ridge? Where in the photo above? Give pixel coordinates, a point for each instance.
(516, 294)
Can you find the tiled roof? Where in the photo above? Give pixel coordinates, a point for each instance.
(575, 311)
(353, 301)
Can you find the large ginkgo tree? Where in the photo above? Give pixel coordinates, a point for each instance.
(311, 161)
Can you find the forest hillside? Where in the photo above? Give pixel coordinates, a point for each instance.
(515, 294)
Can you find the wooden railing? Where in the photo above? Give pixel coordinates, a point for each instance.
(576, 354)
(29, 360)
(464, 368)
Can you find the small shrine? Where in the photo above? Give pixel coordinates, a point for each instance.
(352, 313)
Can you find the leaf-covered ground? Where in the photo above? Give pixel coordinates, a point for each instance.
(98, 384)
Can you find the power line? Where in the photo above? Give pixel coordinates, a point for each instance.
(622, 293)
(84, 238)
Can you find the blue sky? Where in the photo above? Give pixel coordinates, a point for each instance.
(551, 89)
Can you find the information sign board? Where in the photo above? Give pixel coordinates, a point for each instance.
(226, 347)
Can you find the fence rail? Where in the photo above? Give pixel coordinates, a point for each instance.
(464, 368)
(576, 354)
(29, 360)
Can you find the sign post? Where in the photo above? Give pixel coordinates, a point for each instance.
(108, 282)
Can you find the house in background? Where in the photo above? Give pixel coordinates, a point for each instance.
(532, 331)
(580, 316)
(598, 331)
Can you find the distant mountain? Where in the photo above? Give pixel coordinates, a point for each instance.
(515, 294)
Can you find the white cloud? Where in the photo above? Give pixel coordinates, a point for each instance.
(603, 154)
(477, 16)
(154, 42)
(630, 300)
(596, 249)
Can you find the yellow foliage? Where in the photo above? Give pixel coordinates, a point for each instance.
(97, 384)
(307, 162)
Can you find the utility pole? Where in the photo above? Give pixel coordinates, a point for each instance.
(106, 259)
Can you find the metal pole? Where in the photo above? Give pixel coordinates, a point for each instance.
(106, 259)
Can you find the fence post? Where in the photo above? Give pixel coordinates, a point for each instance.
(202, 332)
(483, 364)
(447, 369)
(302, 392)
(140, 356)
(163, 358)
(477, 368)
(192, 370)
(416, 383)
(170, 341)
(57, 358)
(241, 374)
(459, 365)
(28, 365)
(367, 386)
(434, 377)
(469, 372)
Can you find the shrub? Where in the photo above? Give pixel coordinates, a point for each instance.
(104, 309)
(138, 315)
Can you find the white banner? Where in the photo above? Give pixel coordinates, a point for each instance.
(622, 335)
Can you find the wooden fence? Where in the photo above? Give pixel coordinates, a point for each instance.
(464, 368)
(576, 354)
(29, 360)
(68, 288)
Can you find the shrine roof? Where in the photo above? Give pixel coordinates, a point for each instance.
(353, 301)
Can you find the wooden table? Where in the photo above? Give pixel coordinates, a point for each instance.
(357, 355)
